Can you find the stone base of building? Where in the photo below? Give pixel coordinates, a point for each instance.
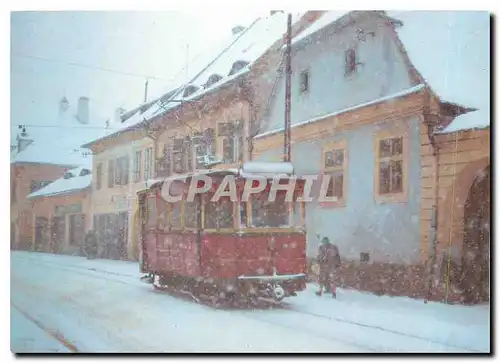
(392, 280)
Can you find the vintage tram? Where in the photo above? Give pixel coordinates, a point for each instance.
(232, 248)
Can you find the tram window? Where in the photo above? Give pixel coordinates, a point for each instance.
(190, 214)
(151, 219)
(298, 214)
(270, 214)
(162, 214)
(226, 207)
(176, 215)
(243, 215)
(210, 213)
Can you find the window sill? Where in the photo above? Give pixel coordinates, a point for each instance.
(332, 205)
(391, 198)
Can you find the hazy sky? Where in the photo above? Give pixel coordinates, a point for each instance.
(144, 43)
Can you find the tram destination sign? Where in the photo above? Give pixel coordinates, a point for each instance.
(254, 184)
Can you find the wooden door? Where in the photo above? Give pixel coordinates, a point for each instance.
(58, 233)
(77, 231)
(41, 234)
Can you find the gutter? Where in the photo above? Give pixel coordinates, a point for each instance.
(431, 124)
(31, 197)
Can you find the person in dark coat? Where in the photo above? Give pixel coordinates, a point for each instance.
(91, 245)
(329, 261)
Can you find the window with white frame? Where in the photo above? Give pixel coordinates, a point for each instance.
(231, 141)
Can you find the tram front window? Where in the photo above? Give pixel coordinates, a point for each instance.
(151, 217)
(190, 214)
(270, 214)
(225, 213)
(210, 209)
(175, 215)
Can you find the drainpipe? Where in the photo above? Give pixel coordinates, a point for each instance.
(251, 127)
(431, 124)
(150, 134)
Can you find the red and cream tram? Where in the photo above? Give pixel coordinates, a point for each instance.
(242, 246)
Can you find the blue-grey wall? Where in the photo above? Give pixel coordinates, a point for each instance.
(382, 72)
(389, 232)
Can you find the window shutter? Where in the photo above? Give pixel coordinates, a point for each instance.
(125, 169)
(188, 154)
(209, 141)
(178, 145)
(166, 159)
(118, 171)
(111, 173)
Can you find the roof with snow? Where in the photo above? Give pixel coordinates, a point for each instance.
(222, 64)
(451, 51)
(323, 21)
(60, 142)
(479, 119)
(73, 180)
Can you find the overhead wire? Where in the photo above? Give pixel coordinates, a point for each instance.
(81, 65)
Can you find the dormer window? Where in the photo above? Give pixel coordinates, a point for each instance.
(214, 78)
(84, 172)
(190, 90)
(237, 66)
(69, 175)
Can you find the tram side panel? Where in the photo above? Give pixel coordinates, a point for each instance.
(178, 254)
(228, 256)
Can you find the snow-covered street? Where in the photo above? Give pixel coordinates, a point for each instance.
(100, 306)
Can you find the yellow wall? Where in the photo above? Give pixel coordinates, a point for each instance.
(120, 198)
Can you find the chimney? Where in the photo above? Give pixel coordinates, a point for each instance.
(63, 105)
(83, 110)
(23, 140)
(237, 29)
(119, 112)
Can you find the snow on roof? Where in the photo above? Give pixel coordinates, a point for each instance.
(60, 144)
(324, 20)
(361, 105)
(479, 119)
(451, 50)
(40, 152)
(245, 47)
(63, 186)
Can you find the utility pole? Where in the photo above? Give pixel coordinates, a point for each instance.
(288, 85)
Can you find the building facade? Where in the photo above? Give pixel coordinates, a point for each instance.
(364, 114)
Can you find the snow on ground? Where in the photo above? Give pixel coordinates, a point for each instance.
(27, 337)
(110, 310)
(454, 325)
(99, 312)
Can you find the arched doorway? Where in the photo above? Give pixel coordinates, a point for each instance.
(476, 241)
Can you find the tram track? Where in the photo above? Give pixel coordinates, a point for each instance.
(55, 334)
(266, 304)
